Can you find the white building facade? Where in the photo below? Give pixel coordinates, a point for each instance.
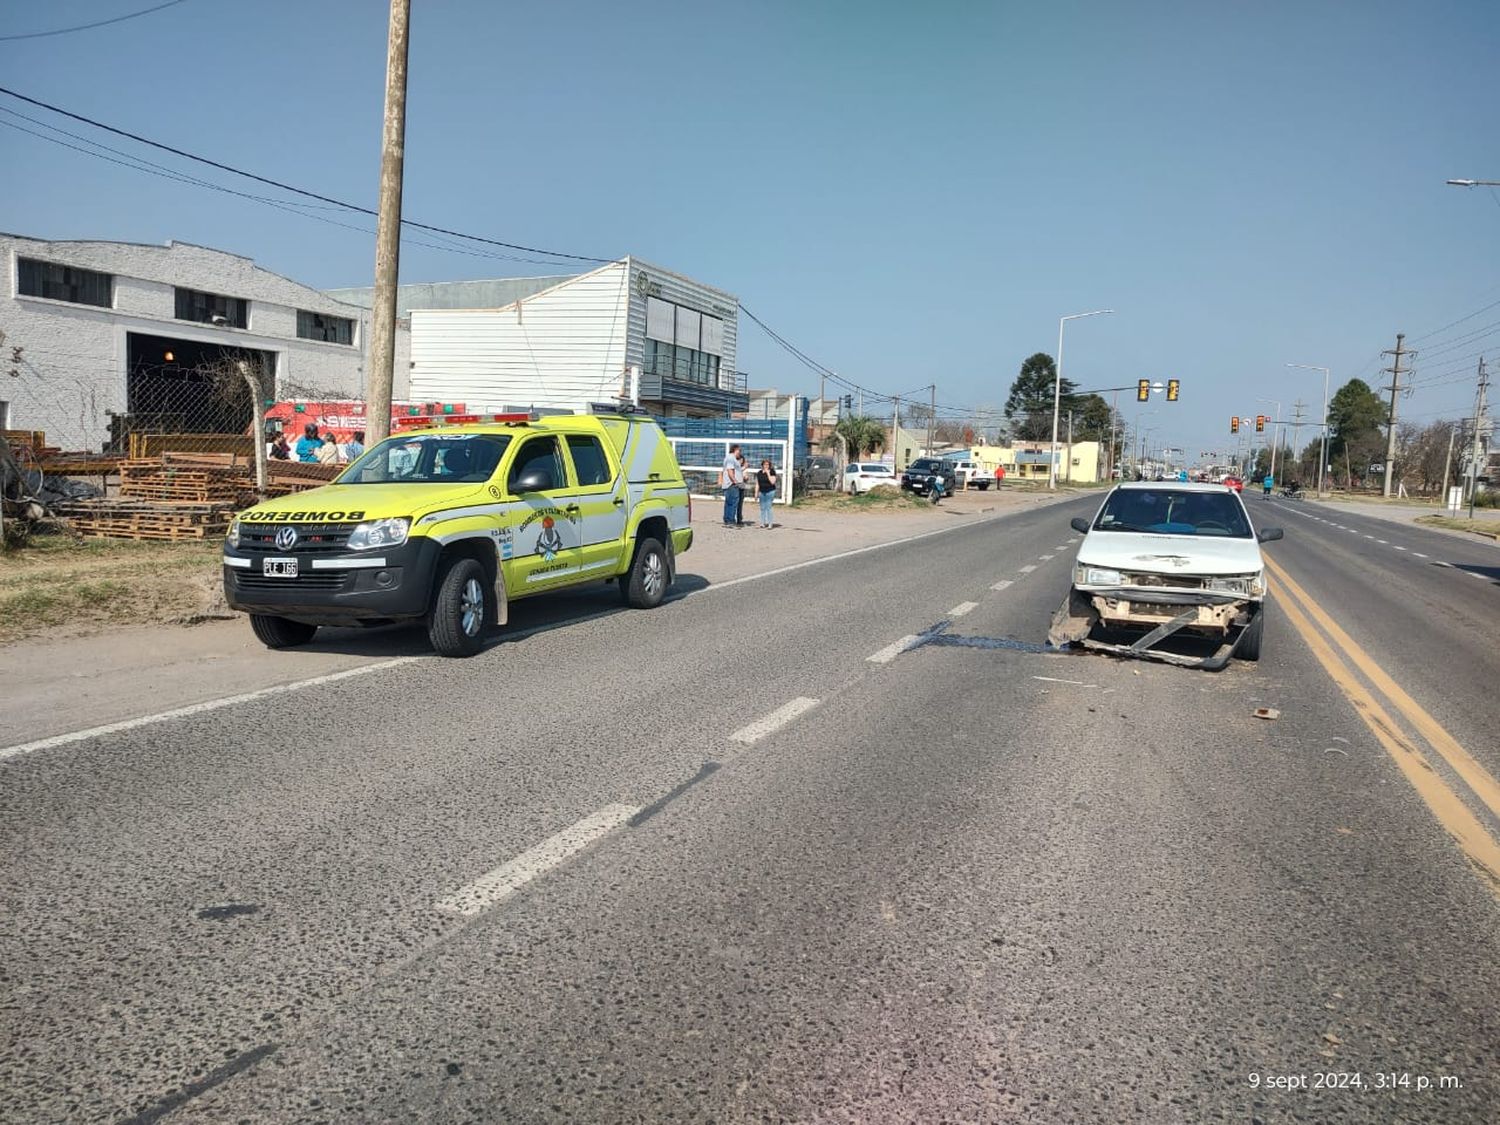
(101, 338)
(628, 329)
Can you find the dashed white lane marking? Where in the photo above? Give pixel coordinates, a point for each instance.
(1055, 680)
(1061, 549)
(1002, 584)
(1369, 537)
(1027, 569)
(508, 878)
(1398, 546)
(1476, 574)
(1419, 554)
(754, 732)
(891, 651)
(1383, 542)
(1355, 531)
(1045, 558)
(962, 608)
(199, 708)
(1449, 565)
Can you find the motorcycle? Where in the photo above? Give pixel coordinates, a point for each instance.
(1292, 491)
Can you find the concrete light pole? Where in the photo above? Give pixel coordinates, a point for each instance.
(1057, 389)
(1323, 456)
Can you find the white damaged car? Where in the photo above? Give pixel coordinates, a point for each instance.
(1165, 558)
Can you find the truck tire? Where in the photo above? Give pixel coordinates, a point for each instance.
(460, 609)
(645, 585)
(278, 632)
(1249, 646)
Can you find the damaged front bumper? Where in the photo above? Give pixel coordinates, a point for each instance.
(1163, 613)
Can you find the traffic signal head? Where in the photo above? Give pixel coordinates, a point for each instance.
(1260, 423)
(1143, 390)
(1234, 424)
(1172, 385)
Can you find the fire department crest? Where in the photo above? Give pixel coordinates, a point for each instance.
(549, 542)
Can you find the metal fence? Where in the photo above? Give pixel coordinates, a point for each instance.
(702, 460)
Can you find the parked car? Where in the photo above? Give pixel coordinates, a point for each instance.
(861, 476)
(921, 473)
(1165, 558)
(816, 472)
(971, 474)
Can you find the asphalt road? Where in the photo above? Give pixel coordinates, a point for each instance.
(778, 851)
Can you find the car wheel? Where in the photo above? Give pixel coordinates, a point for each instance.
(650, 574)
(278, 632)
(1249, 646)
(455, 625)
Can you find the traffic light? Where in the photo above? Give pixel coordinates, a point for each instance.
(1172, 385)
(1234, 424)
(1143, 390)
(848, 402)
(1260, 423)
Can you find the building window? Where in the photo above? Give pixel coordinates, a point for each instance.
(685, 365)
(331, 329)
(212, 308)
(58, 282)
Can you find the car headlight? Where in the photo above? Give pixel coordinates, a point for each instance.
(1085, 575)
(1246, 585)
(379, 533)
(233, 535)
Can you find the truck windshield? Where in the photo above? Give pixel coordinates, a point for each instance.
(429, 459)
(1174, 512)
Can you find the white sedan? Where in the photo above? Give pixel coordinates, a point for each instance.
(861, 476)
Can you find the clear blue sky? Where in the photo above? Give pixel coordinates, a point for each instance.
(909, 192)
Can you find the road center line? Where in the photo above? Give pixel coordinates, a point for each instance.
(777, 719)
(1398, 546)
(200, 708)
(1027, 569)
(1419, 554)
(510, 877)
(891, 651)
(1004, 583)
(962, 608)
(1046, 558)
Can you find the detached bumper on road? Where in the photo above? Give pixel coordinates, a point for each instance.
(1164, 614)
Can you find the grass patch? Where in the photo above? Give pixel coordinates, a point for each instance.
(877, 500)
(1490, 529)
(60, 586)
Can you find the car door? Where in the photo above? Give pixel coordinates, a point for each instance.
(599, 497)
(546, 519)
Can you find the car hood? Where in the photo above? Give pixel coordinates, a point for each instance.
(1170, 554)
(354, 502)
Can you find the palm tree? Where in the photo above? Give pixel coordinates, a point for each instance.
(859, 434)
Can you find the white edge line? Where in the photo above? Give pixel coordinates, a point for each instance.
(962, 608)
(891, 651)
(493, 886)
(197, 708)
(1004, 583)
(754, 732)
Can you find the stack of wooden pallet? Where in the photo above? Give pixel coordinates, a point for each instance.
(160, 480)
(173, 521)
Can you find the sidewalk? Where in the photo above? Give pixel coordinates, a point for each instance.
(53, 687)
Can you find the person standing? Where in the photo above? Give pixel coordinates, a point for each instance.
(731, 477)
(739, 507)
(999, 476)
(765, 490)
(328, 452)
(355, 448)
(308, 444)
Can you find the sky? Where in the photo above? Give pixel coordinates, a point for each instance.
(909, 193)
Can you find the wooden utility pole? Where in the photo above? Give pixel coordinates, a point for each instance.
(382, 359)
(1395, 371)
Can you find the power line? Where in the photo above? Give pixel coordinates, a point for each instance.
(89, 26)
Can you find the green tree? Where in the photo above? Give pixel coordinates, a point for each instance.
(1355, 413)
(1029, 406)
(861, 435)
(1091, 418)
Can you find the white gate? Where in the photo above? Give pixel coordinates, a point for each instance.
(702, 459)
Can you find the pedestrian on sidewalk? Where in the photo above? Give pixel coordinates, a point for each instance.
(328, 452)
(765, 490)
(739, 508)
(999, 476)
(731, 477)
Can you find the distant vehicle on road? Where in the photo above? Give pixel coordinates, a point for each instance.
(1165, 558)
(861, 476)
(921, 474)
(1235, 483)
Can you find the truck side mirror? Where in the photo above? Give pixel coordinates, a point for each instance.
(534, 480)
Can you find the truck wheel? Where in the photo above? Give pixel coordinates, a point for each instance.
(278, 632)
(455, 625)
(1249, 647)
(646, 584)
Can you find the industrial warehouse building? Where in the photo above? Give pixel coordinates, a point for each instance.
(625, 330)
(100, 339)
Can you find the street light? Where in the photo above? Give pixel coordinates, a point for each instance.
(1057, 388)
(1474, 183)
(1323, 456)
(1275, 433)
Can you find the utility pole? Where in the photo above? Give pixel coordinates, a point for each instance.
(931, 414)
(1296, 431)
(1479, 407)
(896, 434)
(388, 229)
(1395, 371)
(1448, 461)
(1068, 468)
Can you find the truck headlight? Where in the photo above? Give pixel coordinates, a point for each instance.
(233, 536)
(1085, 575)
(379, 533)
(1245, 585)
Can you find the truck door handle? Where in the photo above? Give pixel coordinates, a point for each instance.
(619, 501)
(572, 508)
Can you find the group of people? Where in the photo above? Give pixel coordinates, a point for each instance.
(735, 479)
(317, 448)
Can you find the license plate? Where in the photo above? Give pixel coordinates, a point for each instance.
(279, 568)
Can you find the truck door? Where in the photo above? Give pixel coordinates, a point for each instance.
(600, 496)
(546, 518)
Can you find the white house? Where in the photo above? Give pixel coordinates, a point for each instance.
(563, 343)
(98, 338)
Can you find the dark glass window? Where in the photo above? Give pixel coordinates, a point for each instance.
(538, 453)
(589, 461)
(65, 283)
(332, 329)
(194, 304)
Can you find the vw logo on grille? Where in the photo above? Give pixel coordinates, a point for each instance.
(286, 538)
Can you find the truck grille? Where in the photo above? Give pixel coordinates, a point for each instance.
(1166, 581)
(312, 539)
(316, 580)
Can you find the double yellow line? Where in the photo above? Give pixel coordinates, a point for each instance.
(1479, 846)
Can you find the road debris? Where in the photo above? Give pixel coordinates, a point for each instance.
(1266, 713)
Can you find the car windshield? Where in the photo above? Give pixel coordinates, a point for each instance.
(429, 459)
(1166, 511)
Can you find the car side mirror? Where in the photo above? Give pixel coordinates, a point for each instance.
(1078, 523)
(536, 480)
(1268, 534)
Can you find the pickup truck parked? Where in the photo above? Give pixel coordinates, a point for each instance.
(921, 473)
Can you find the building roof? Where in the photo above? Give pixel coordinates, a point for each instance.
(491, 293)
